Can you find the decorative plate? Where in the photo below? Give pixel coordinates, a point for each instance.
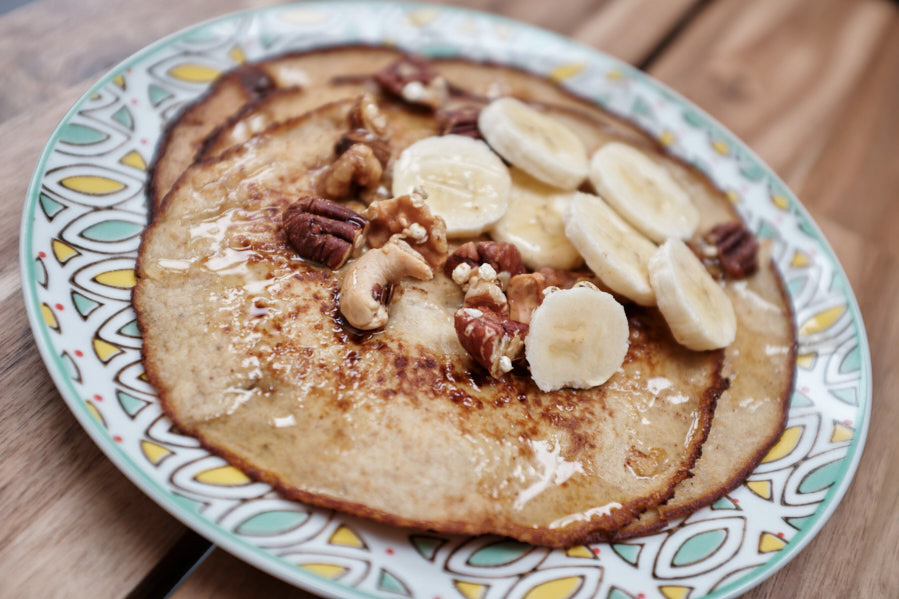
(81, 228)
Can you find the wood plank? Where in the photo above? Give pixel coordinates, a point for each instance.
(851, 192)
(60, 491)
(632, 29)
(777, 72)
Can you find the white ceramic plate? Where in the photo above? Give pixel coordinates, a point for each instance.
(85, 211)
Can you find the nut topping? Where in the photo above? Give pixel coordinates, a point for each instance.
(527, 291)
(368, 283)
(492, 340)
(503, 257)
(366, 115)
(737, 249)
(323, 231)
(412, 79)
(357, 167)
(462, 121)
(408, 216)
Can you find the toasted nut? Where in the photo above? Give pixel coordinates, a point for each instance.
(323, 231)
(503, 257)
(494, 341)
(412, 79)
(409, 216)
(462, 121)
(486, 294)
(525, 293)
(368, 283)
(379, 147)
(357, 167)
(737, 249)
(366, 115)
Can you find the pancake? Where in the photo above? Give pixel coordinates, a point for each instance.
(187, 133)
(751, 414)
(245, 345)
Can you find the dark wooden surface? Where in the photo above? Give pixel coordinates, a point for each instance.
(811, 85)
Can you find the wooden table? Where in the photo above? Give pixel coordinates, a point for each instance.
(811, 85)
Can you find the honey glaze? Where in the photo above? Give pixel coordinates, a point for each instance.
(400, 421)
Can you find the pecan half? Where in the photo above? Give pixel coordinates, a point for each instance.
(358, 167)
(323, 231)
(737, 249)
(412, 79)
(409, 216)
(502, 256)
(492, 340)
(462, 121)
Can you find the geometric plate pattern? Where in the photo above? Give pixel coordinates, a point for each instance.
(81, 228)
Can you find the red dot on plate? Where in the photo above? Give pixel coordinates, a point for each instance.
(58, 306)
(42, 254)
(781, 535)
(143, 140)
(736, 500)
(389, 551)
(98, 397)
(596, 550)
(134, 101)
(847, 422)
(117, 438)
(79, 353)
(640, 596)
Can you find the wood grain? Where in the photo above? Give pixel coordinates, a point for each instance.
(810, 84)
(778, 73)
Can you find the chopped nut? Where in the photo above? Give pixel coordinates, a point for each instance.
(525, 293)
(366, 115)
(486, 294)
(378, 146)
(492, 340)
(737, 249)
(412, 79)
(356, 167)
(503, 257)
(368, 282)
(408, 216)
(461, 273)
(462, 121)
(323, 231)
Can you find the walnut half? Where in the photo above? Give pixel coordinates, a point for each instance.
(408, 216)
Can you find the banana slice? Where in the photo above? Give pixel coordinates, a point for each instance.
(612, 248)
(467, 184)
(545, 148)
(696, 308)
(643, 192)
(534, 223)
(577, 338)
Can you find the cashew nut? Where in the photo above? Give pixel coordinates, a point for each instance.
(362, 292)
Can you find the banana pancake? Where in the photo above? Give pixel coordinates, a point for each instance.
(245, 344)
(232, 92)
(759, 363)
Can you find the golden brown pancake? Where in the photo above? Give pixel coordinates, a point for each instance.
(244, 343)
(751, 414)
(232, 92)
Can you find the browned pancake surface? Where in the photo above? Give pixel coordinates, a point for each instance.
(245, 345)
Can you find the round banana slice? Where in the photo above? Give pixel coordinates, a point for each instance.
(577, 338)
(467, 184)
(613, 250)
(643, 192)
(534, 223)
(696, 308)
(543, 147)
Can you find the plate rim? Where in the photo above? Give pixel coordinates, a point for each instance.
(274, 564)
